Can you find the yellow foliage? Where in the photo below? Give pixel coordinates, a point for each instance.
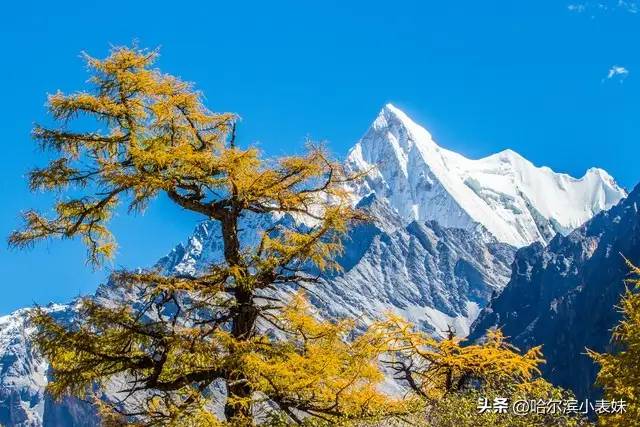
(306, 366)
(619, 375)
(433, 368)
(321, 369)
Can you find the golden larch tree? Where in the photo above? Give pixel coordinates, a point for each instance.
(452, 379)
(434, 367)
(619, 374)
(181, 333)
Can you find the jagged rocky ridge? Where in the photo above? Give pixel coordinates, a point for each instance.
(562, 296)
(432, 275)
(442, 244)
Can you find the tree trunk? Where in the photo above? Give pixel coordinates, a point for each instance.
(237, 386)
(449, 377)
(243, 322)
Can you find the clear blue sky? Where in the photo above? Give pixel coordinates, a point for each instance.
(482, 76)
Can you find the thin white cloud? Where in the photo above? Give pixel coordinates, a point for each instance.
(617, 72)
(578, 8)
(593, 7)
(629, 6)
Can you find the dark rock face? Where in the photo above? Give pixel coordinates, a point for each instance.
(69, 412)
(563, 296)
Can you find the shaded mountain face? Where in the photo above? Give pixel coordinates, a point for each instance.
(442, 244)
(562, 296)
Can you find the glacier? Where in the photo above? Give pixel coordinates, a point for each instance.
(516, 201)
(442, 244)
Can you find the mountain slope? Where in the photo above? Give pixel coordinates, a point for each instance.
(562, 296)
(514, 200)
(430, 274)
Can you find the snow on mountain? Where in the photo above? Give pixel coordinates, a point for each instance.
(514, 200)
(23, 372)
(433, 276)
(23, 377)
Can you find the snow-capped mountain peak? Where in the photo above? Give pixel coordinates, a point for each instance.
(401, 133)
(516, 201)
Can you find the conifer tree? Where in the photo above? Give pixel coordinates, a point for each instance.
(451, 378)
(434, 367)
(619, 373)
(181, 333)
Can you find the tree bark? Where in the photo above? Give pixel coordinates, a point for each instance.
(243, 320)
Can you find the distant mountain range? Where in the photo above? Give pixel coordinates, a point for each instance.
(446, 232)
